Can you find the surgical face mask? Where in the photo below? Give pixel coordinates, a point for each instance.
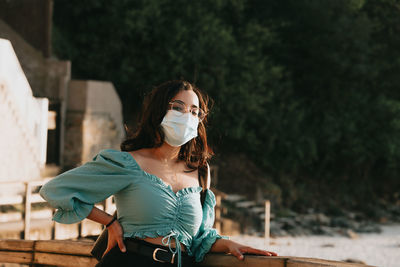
(179, 128)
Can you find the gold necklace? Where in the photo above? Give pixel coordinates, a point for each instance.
(172, 171)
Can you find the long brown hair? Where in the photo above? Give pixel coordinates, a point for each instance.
(149, 134)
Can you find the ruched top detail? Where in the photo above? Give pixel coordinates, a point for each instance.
(146, 206)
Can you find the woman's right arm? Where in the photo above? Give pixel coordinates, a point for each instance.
(115, 231)
(74, 192)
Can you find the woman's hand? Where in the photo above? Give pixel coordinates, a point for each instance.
(115, 231)
(238, 250)
(115, 236)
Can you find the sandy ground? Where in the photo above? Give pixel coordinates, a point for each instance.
(373, 249)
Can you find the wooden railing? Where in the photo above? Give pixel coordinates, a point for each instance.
(77, 254)
(27, 199)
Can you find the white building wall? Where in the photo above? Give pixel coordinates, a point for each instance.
(23, 122)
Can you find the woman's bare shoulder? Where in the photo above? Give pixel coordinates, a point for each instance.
(142, 156)
(141, 153)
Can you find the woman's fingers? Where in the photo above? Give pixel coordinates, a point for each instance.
(251, 250)
(237, 254)
(115, 233)
(121, 244)
(273, 253)
(106, 251)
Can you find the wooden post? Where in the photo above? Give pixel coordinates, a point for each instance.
(53, 226)
(26, 213)
(218, 213)
(267, 219)
(80, 229)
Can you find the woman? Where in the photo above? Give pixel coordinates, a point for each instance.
(154, 180)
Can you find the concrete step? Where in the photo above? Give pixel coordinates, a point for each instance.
(234, 198)
(245, 204)
(257, 209)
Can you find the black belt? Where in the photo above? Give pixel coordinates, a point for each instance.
(156, 252)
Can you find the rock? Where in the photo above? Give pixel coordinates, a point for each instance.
(291, 213)
(323, 230)
(323, 219)
(354, 261)
(287, 223)
(276, 229)
(369, 228)
(307, 219)
(310, 210)
(352, 235)
(341, 222)
(351, 215)
(383, 220)
(296, 231)
(259, 234)
(337, 230)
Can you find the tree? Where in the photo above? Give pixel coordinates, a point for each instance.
(307, 89)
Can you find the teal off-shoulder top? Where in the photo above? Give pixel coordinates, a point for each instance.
(146, 206)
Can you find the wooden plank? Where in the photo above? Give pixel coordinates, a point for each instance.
(16, 226)
(11, 183)
(224, 260)
(301, 262)
(40, 182)
(63, 260)
(16, 257)
(26, 214)
(16, 245)
(11, 200)
(33, 182)
(36, 198)
(64, 247)
(305, 263)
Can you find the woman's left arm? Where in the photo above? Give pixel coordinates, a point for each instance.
(236, 249)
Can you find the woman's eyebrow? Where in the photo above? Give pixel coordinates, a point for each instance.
(180, 101)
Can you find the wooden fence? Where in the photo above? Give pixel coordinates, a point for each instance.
(27, 199)
(77, 254)
(31, 196)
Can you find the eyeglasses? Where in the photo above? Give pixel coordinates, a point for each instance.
(182, 108)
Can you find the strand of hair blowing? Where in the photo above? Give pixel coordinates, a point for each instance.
(149, 134)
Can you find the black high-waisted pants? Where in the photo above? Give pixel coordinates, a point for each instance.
(116, 258)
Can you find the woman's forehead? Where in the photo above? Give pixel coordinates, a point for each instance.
(189, 97)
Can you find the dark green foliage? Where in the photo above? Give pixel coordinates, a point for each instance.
(308, 89)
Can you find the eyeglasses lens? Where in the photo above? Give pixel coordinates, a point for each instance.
(197, 112)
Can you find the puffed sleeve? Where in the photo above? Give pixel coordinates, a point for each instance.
(206, 235)
(74, 192)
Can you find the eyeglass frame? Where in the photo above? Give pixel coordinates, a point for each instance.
(186, 108)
